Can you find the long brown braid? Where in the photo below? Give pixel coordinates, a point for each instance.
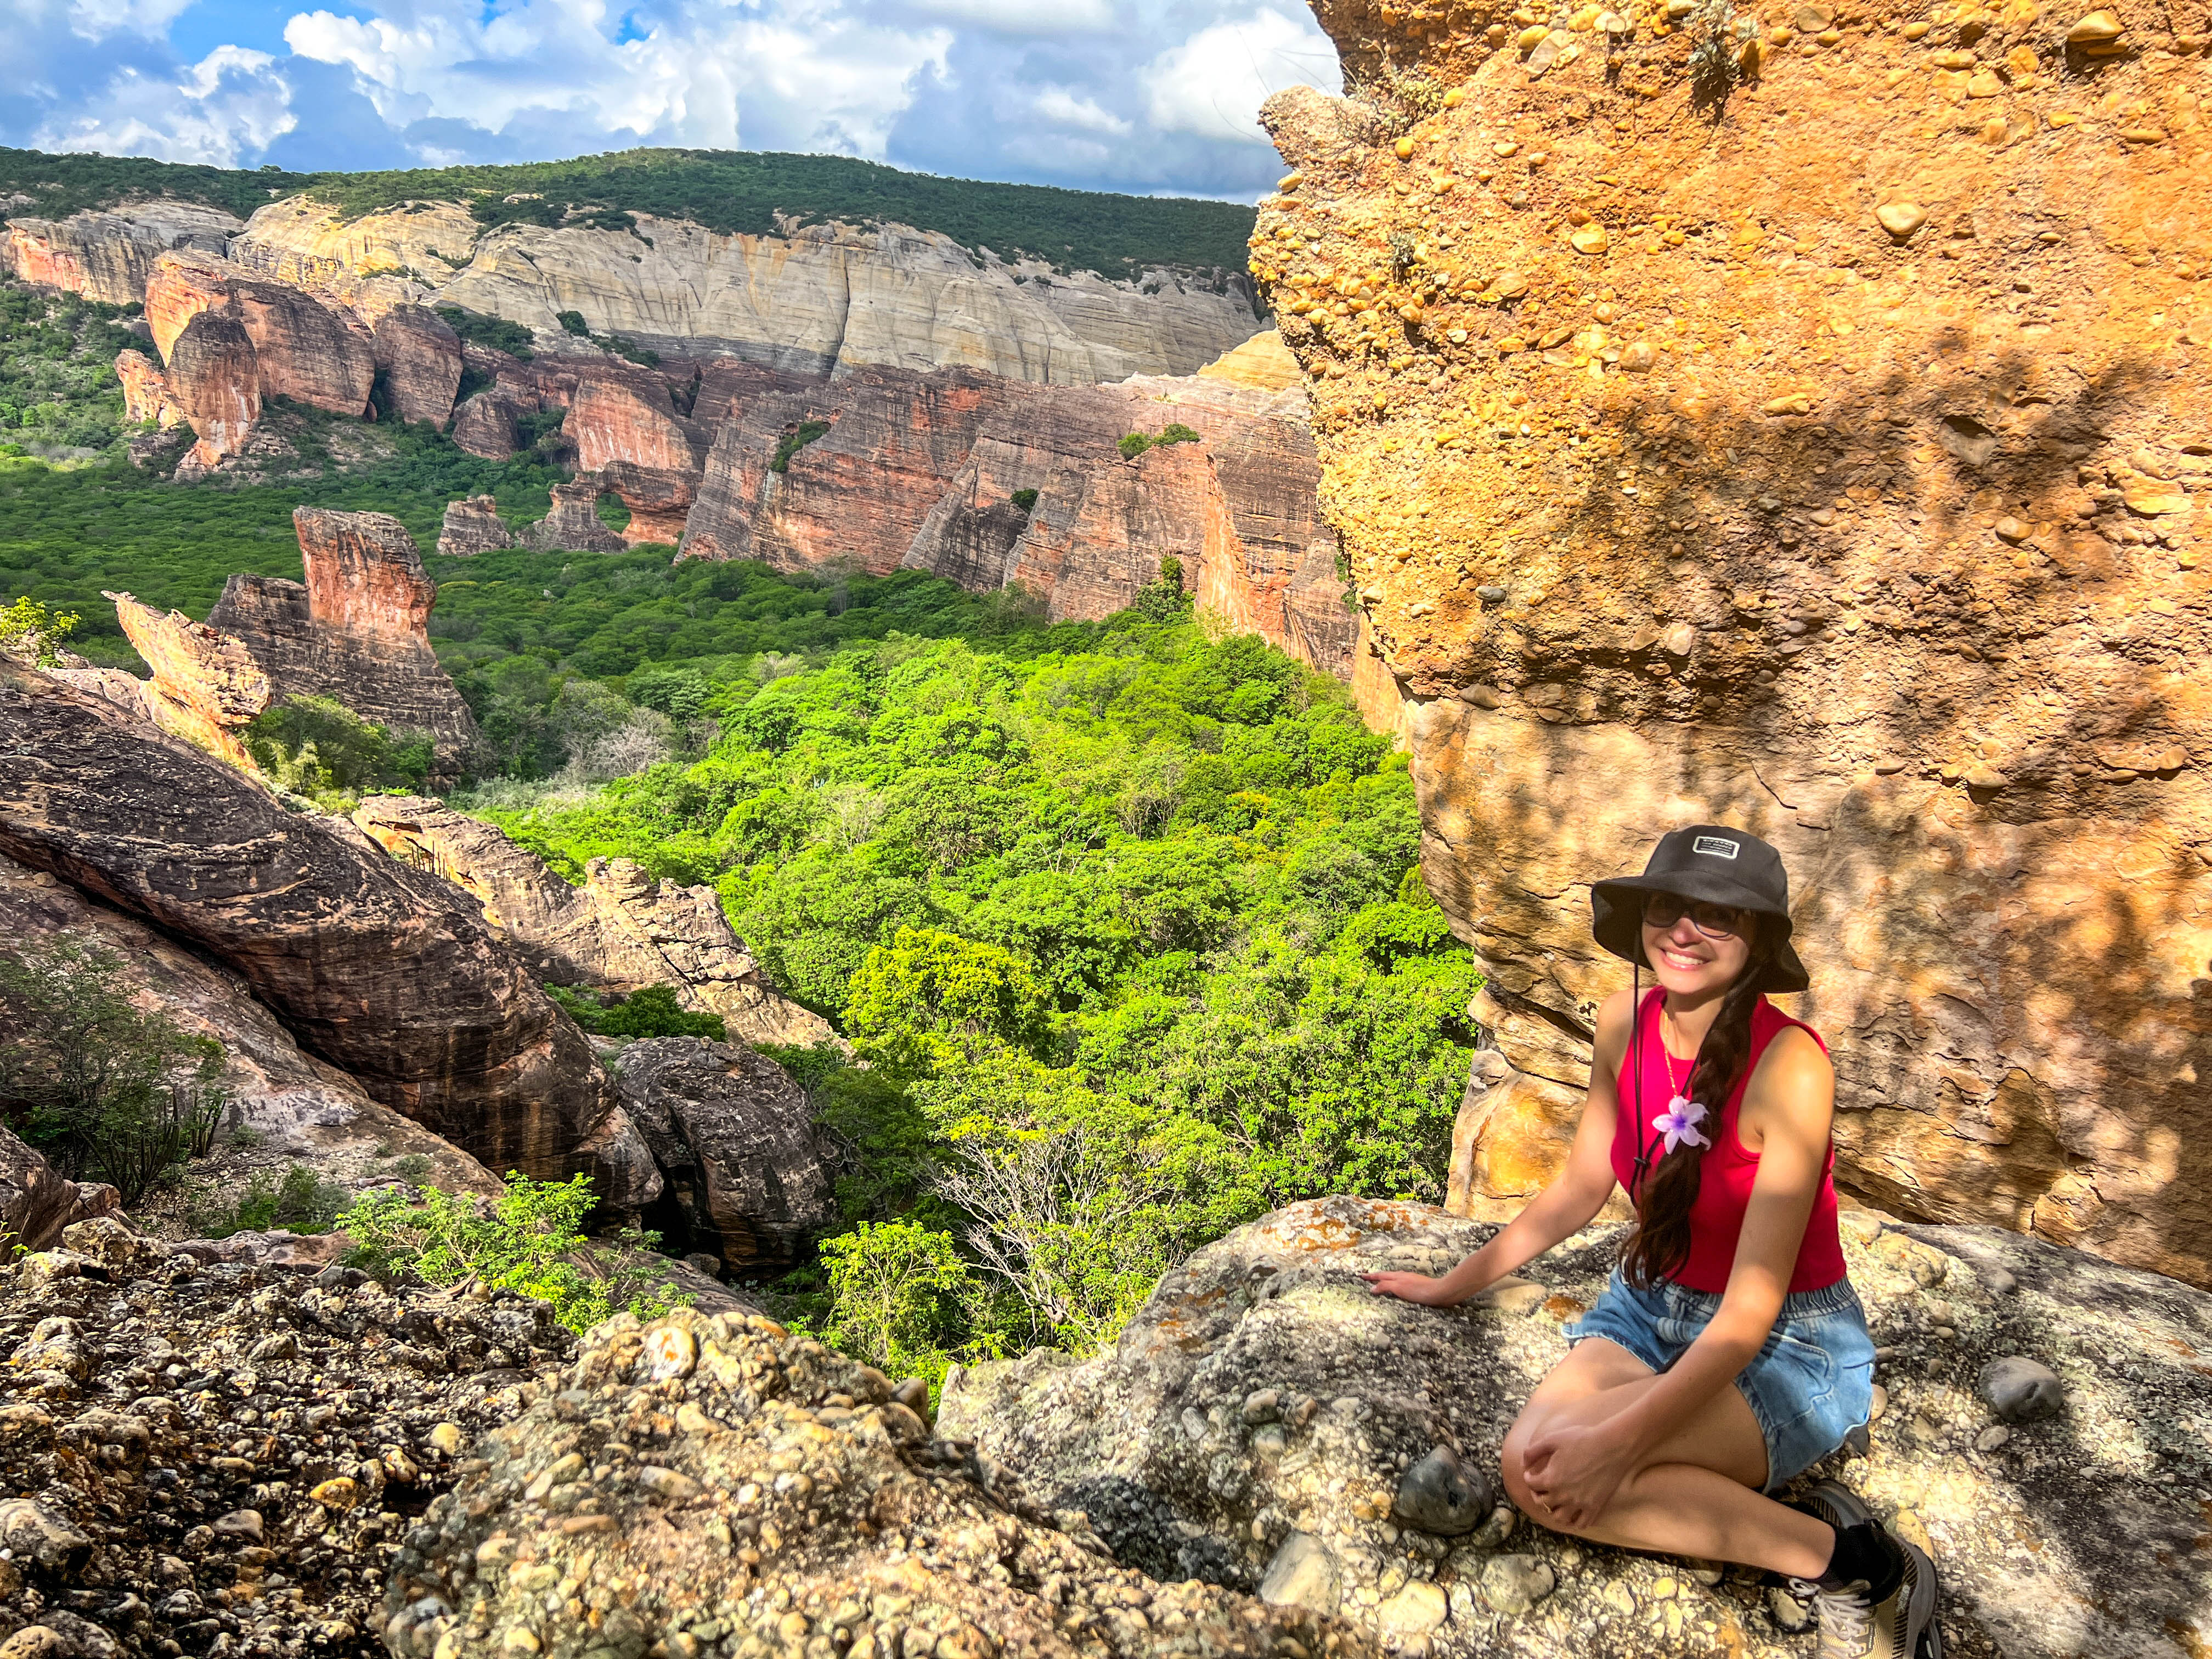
(1661, 1244)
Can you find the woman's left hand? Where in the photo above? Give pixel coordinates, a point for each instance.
(1574, 1473)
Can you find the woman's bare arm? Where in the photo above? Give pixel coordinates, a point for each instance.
(1565, 1207)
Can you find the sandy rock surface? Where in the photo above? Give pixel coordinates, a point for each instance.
(716, 1485)
(1796, 415)
(1267, 1422)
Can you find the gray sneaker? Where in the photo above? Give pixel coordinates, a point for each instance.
(1853, 1624)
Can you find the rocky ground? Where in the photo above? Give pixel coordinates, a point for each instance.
(1268, 1423)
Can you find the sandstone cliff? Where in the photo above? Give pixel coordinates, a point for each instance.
(380, 970)
(303, 348)
(109, 256)
(818, 300)
(146, 394)
(1267, 1422)
(355, 631)
(214, 376)
(1802, 425)
(623, 930)
(205, 684)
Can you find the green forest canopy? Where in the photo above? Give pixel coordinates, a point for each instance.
(738, 191)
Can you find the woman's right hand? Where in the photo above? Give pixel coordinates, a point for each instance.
(1411, 1287)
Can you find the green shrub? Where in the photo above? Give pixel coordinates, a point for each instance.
(900, 1294)
(103, 1088)
(651, 1011)
(31, 633)
(496, 333)
(573, 322)
(530, 1240)
(1177, 433)
(303, 1202)
(794, 440)
(1025, 498)
(1135, 444)
(318, 747)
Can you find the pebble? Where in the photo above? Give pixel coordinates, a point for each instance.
(1637, 357)
(239, 1524)
(2096, 29)
(1991, 1437)
(1511, 1584)
(1302, 1574)
(1791, 1616)
(1263, 1405)
(1414, 1611)
(1590, 238)
(2021, 1390)
(1902, 218)
(1441, 1496)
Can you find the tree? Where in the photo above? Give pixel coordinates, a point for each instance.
(924, 1001)
(100, 1086)
(30, 633)
(899, 1294)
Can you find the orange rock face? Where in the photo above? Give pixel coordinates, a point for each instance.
(205, 684)
(304, 349)
(419, 357)
(146, 395)
(364, 571)
(215, 379)
(1805, 426)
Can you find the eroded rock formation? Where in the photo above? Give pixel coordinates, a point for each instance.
(355, 631)
(1805, 429)
(473, 525)
(301, 1106)
(303, 348)
(215, 379)
(146, 394)
(623, 930)
(37, 1201)
(418, 357)
(109, 256)
(380, 970)
(1265, 1420)
(573, 521)
(205, 684)
(817, 300)
(734, 1137)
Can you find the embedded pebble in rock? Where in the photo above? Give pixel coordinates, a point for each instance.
(770, 1497)
(183, 1497)
(2019, 1390)
(1440, 1495)
(2095, 1509)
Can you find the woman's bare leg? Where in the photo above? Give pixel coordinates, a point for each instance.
(1698, 1492)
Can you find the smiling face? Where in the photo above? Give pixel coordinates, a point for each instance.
(1696, 950)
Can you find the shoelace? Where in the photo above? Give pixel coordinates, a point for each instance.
(1846, 1617)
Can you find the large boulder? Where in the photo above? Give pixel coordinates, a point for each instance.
(383, 971)
(215, 380)
(418, 356)
(36, 1199)
(1715, 439)
(717, 1482)
(472, 526)
(146, 394)
(734, 1137)
(1268, 1421)
(623, 930)
(357, 630)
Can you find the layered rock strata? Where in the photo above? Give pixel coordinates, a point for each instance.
(214, 377)
(146, 394)
(790, 1503)
(734, 1137)
(205, 684)
(1805, 429)
(473, 525)
(418, 363)
(303, 348)
(624, 930)
(382, 971)
(355, 631)
(815, 300)
(109, 256)
(38, 1202)
(1265, 1420)
(301, 1107)
(921, 471)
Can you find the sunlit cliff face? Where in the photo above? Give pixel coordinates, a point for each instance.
(1801, 417)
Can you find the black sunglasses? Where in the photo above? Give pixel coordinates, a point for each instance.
(1714, 920)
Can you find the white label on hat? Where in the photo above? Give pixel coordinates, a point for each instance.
(1719, 846)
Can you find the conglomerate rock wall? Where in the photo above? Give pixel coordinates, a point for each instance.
(1800, 416)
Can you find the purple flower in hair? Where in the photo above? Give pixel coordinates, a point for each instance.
(1679, 1123)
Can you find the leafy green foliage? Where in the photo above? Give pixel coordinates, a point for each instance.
(726, 191)
(530, 1239)
(31, 633)
(651, 1011)
(901, 1293)
(318, 747)
(1133, 444)
(301, 1202)
(573, 322)
(1175, 432)
(1025, 498)
(102, 1087)
(58, 385)
(496, 333)
(794, 440)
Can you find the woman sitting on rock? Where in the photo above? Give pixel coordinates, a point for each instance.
(1729, 1352)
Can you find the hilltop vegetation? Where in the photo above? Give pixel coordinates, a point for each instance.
(735, 192)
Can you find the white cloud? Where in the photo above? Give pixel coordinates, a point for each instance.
(686, 80)
(1066, 109)
(96, 20)
(1213, 83)
(222, 111)
(1030, 17)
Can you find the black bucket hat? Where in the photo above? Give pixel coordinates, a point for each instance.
(1708, 861)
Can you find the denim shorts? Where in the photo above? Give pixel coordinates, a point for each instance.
(1810, 1386)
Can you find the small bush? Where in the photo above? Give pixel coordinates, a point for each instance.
(898, 1291)
(303, 1202)
(530, 1240)
(574, 323)
(1135, 444)
(1025, 498)
(496, 333)
(318, 747)
(650, 1012)
(413, 1167)
(31, 633)
(1177, 433)
(794, 440)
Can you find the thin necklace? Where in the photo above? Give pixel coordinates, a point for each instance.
(1667, 1055)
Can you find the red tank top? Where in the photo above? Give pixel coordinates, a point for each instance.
(1725, 1179)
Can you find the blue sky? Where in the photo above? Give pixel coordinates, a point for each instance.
(1153, 96)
